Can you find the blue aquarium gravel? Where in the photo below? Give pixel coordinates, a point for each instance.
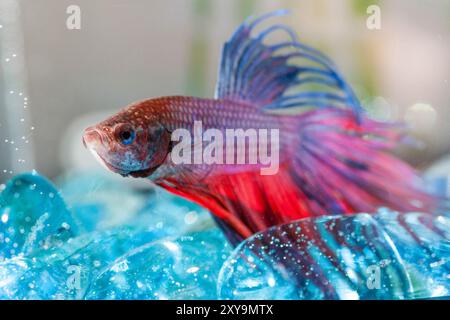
(104, 242)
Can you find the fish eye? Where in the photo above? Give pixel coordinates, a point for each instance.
(126, 136)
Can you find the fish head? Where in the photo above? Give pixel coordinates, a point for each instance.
(130, 143)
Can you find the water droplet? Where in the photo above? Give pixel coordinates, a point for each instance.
(192, 269)
(190, 217)
(421, 117)
(5, 217)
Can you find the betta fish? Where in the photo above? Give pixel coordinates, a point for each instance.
(332, 158)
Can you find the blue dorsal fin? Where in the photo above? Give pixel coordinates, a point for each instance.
(265, 75)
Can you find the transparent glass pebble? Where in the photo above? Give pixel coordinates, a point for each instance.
(182, 268)
(385, 256)
(32, 216)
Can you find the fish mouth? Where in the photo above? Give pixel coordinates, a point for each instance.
(92, 136)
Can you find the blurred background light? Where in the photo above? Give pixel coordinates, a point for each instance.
(421, 118)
